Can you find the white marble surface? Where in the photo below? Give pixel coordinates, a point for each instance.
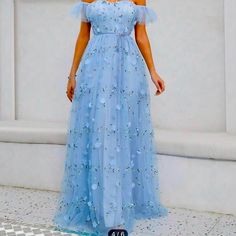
(34, 206)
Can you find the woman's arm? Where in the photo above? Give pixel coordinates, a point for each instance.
(81, 43)
(143, 43)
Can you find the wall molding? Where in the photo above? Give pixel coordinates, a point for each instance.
(205, 145)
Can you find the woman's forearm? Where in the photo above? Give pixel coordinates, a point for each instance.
(143, 43)
(80, 46)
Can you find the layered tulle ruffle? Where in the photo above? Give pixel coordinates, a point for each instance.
(143, 14)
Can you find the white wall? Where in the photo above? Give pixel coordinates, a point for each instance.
(41, 37)
(37, 43)
(189, 52)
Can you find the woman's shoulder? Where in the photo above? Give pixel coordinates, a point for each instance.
(88, 1)
(140, 2)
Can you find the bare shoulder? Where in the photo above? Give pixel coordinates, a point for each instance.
(140, 2)
(88, 1)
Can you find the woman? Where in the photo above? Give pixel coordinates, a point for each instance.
(109, 177)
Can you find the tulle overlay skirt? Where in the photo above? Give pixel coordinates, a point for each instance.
(111, 168)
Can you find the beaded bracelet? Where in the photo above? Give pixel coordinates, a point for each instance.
(70, 77)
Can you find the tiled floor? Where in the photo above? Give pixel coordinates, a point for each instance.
(33, 208)
(12, 228)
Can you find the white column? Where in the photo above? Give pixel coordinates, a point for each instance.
(230, 64)
(7, 71)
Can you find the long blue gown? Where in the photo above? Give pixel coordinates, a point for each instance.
(111, 174)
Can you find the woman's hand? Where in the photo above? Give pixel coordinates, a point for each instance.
(159, 83)
(71, 88)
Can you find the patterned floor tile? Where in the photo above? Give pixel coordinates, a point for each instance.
(225, 227)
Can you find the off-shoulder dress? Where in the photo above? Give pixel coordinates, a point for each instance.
(111, 168)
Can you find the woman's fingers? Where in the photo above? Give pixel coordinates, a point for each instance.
(70, 93)
(69, 96)
(159, 90)
(160, 85)
(70, 89)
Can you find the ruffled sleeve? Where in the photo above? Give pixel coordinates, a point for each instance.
(145, 15)
(79, 10)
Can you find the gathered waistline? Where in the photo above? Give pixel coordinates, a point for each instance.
(113, 33)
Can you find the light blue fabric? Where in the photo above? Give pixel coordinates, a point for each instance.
(142, 14)
(111, 170)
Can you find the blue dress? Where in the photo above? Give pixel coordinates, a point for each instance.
(111, 175)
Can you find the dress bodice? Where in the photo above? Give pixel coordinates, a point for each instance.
(113, 17)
